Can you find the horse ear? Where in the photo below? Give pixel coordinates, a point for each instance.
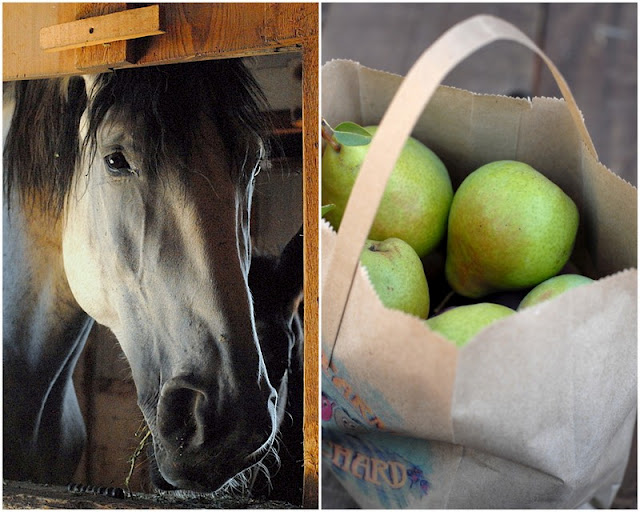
(290, 270)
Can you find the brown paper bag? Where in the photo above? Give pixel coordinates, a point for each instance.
(538, 410)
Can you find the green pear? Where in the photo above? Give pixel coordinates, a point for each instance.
(509, 228)
(326, 209)
(553, 287)
(415, 203)
(397, 275)
(462, 323)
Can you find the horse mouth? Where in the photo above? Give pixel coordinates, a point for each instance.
(224, 472)
(201, 441)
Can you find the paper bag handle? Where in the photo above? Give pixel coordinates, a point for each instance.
(396, 126)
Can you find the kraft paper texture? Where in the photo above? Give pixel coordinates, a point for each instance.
(538, 410)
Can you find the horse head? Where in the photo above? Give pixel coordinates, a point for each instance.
(153, 190)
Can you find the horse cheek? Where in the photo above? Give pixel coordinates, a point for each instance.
(83, 271)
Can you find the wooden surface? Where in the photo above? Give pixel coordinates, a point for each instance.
(108, 402)
(99, 30)
(101, 58)
(22, 56)
(593, 45)
(599, 61)
(194, 31)
(311, 282)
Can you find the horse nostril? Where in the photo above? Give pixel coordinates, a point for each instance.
(182, 415)
(203, 437)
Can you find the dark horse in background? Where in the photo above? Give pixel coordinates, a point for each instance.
(127, 200)
(276, 283)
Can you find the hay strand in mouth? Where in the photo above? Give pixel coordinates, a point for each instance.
(144, 429)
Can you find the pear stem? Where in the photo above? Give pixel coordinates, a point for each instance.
(327, 135)
(444, 302)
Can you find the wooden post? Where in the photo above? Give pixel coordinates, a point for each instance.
(310, 106)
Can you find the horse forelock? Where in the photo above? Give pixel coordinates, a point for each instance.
(164, 103)
(43, 147)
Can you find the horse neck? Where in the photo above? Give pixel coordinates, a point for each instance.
(43, 326)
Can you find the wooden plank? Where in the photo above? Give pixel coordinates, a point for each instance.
(199, 31)
(116, 434)
(289, 22)
(599, 62)
(102, 58)
(114, 417)
(108, 401)
(397, 34)
(118, 26)
(22, 56)
(311, 208)
(194, 31)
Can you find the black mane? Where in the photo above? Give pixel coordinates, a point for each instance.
(43, 147)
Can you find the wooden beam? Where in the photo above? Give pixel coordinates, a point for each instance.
(118, 26)
(311, 209)
(229, 30)
(102, 58)
(193, 31)
(22, 57)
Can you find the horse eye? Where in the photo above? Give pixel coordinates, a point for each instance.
(118, 165)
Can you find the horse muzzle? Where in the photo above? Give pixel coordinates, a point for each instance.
(202, 439)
